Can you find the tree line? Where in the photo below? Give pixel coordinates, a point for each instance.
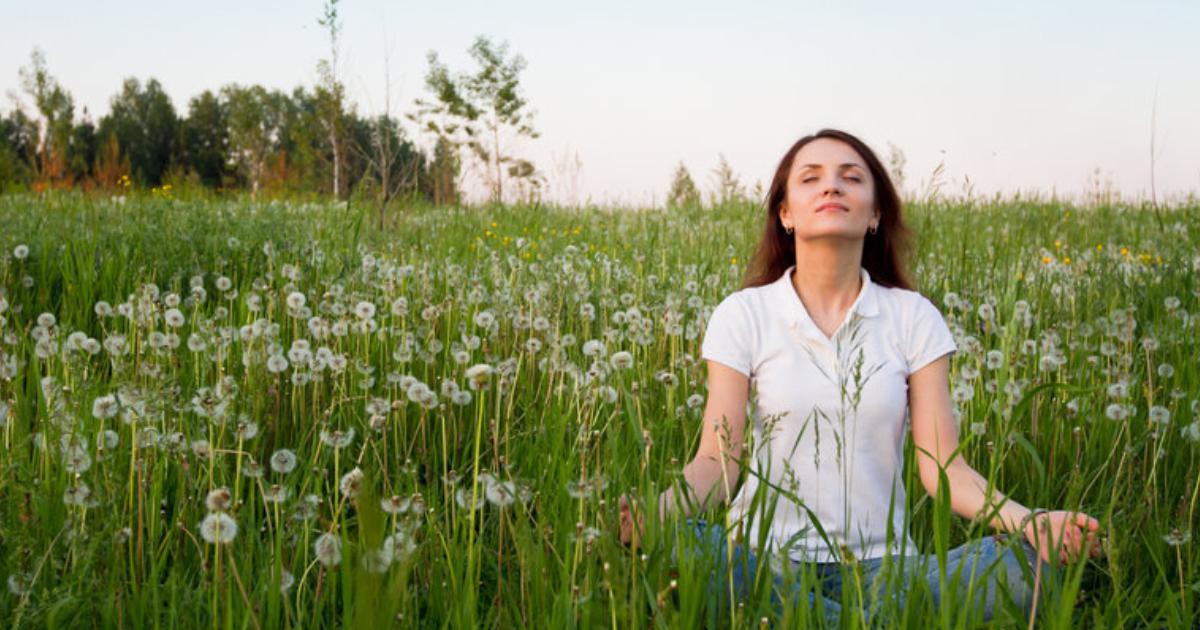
(255, 139)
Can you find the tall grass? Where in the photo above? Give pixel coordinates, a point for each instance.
(490, 441)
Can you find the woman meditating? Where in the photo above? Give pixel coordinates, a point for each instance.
(840, 349)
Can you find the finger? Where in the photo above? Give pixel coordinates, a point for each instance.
(1085, 521)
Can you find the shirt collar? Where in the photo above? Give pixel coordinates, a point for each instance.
(866, 304)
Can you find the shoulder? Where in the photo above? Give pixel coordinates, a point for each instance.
(905, 303)
(747, 303)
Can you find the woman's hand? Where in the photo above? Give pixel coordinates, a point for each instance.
(1066, 534)
(627, 521)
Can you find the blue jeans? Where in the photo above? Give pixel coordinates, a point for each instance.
(987, 569)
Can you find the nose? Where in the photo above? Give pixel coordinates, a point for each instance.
(832, 188)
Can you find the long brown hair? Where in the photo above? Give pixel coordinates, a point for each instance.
(883, 252)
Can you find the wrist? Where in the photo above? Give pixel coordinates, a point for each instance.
(1023, 527)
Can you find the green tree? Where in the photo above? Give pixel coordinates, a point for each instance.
(205, 139)
(256, 126)
(82, 149)
(57, 109)
(444, 170)
(489, 108)
(683, 190)
(144, 123)
(18, 149)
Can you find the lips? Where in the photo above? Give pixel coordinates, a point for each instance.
(832, 206)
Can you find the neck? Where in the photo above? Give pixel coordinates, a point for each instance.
(827, 276)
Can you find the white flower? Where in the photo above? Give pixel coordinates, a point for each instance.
(77, 495)
(283, 461)
(484, 319)
(224, 284)
(695, 400)
(579, 489)
(276, 364)
(1176, 537)
(218, 528)
(18, 584)
(593, 347)
(21, 252)
(105, 407)
(1116, 412)
(478, 375)
(246, 429)
(607, 393)
(76, 460)
(461, 398)
(994, 360)
(276, 493)
(365, 310)
(337, 439)
(286, 580)
(296, 300)
(621, 360)
(1160, 414)
(462, 497)
(351, 483)
(328, 549)
(218, 500)
(174, 317)
(501, 493)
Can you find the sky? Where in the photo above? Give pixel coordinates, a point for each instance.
(1008, 97)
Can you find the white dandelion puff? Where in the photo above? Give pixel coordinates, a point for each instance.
(296, 300)
(351, 483)
(337, 439)
(105, 407)
(283, 461)
(1160, 415)
(478, 375)
(218, 528)
(328, 549)
(218, 500)
(622, 360)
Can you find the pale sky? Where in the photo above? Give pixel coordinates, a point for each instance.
(1029, 96)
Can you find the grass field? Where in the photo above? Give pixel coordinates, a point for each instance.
(223, 413)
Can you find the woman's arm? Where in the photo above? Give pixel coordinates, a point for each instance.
(936, 438)
(707, 482)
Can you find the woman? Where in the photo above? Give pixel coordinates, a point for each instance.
(839, 347)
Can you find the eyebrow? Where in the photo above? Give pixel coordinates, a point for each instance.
(844, 165)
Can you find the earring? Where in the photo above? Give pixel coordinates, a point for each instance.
(788, 229)
(873, 229)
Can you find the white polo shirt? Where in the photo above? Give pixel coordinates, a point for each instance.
(836, 440)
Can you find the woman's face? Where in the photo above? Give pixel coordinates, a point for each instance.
(830, 192)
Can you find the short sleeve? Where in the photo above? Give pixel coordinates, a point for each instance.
(728, 335)
(928, 337)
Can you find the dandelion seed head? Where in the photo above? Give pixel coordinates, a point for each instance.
(218, 499)
(351, 483)
(218, 528)
(328, 549)
(283, 461)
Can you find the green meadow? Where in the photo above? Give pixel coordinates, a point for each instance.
(224, 412)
